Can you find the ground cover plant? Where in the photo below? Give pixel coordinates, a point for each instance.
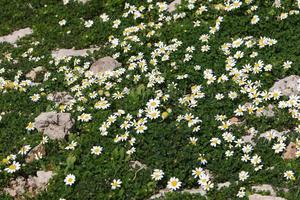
(172, 100)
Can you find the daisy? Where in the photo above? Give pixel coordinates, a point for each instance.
(254, 19)
(35, 97)
(116, 184)
(289, 175)
(197, 172)
(287, 64)
(70, 179)
(255, 160)
(215, 141)
(85, 117)
(116, 23)
(88, 23)
(62, 22)
(97, 150)
(104, 17)
(102, 104)
(193, 140)
(24, 149)
(243, 175)
(279, 147)
(174, 184)
(153, 103)
(157, 174)
(153, 114)
(15, 166)
(140, 128)
(30, 126)
(71, 146)
(241, 193)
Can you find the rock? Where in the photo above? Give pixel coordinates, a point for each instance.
(222, 185)
(33, 73)
(234, 121)
(16, 187)
(261, 197)
(290, 152)
(160, 194)
(54, 125)
(277, 3)
(16, 35)
(264, 188)
(61, 54)
(268, 112)
(31, 186)
(250, 135)
(195, 191)
(104, 64)
(36, 153)
(287, 86)
(42, 178)
(61, 98)
(172, 5)
(163, 192)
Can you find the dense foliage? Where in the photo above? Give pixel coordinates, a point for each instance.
(184, 75)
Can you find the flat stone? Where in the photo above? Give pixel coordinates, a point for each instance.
(31, 186)
(222, 185)
(16, 187)
(195, 191)
(54, 125)
(104, 64)
(262, 197)
(290, 152)
(16, 35)
(235, 121)
(33, 73)
(61, 54)
(172, 5)
(163, 192)
(264, 188)
(249, 136)
(36, 153)
(287, 86)
(60, 98)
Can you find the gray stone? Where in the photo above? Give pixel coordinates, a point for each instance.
(54, 125)
(16, 187)
(16, 35)
(33, 73)
(264, 188)
(61, 98)
(287, 86)
(262, 197)
(36, 153)
(31, 186)
(172, 5)
(163, 192)
(222, 185)
(61, 54)
(290, 152)
(104, 64)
